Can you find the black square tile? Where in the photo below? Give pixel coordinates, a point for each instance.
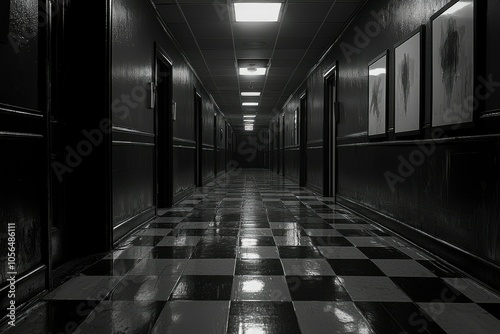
(212, 252)
(161, 225)
(224, 225)
(290, 232)
(263, 317)
(299, 252)
(351, 267)
(186, 232)
(379, 318)
(110, 267)
(316, 288)
(412, 319)
(331, 241)
(174, 214)
(493, 309)
(383, 253)
(203, 288)
(218, 241)
(259, 267)
(439, 269)
(171, 252)
(355, 233)
(430, 289)
(315, 226)
(221, 232)
(256, 241)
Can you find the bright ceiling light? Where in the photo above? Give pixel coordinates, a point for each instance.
(249, 116)
(250, 104)
(249, 128)
(249, 120)
(252, 71)
(257, 12)
(250, 93)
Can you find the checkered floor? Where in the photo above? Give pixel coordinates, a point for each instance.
(255, 253)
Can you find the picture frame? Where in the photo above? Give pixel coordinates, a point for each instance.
(377, 96)
(409, 83)
(454, 69)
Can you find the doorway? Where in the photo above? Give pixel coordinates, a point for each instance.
(198, 126)
(216, 144)
(163, 130)
(282, 140)
(330, 133)
(303, 139)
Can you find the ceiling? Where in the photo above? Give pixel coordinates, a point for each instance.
(213, 43)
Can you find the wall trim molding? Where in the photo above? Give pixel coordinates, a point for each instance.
(125, 227)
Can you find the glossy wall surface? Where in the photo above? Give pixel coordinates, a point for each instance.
(452, 197)
(22, 146)
(135, 31)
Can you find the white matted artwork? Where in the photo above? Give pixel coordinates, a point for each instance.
(453, 64)
(408, 80)
(377, 96)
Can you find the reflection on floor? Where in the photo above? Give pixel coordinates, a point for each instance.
(254, 253)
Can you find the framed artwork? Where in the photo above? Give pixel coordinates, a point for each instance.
(453, 68)
(409, 79)
(377, 96)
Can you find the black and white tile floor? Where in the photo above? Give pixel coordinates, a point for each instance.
(256, 254)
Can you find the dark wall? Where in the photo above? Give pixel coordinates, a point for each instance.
(453, 195)
(250, 149)
(136, 29)
(22, 146)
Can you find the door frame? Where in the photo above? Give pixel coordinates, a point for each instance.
(198, 137)
(330, 132)
(303, 139)
(163, 184)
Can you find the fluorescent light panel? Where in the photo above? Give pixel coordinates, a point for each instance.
(257, 12)
(258, 71)
(250, 93)
(249, 116)
(249, 128)
(250, 104)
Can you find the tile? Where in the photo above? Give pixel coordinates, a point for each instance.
(307, 267)
(383, 253)
(153, 232)
(144, 288)
(440, 269)
(285, 225)
(221, 232)
(259, 267)
(85, 288)
(316, 288)
(254, 224)
(474, 291)
(341, 252)
(263, 318)
(133, 252)
(322, 233)
(260, 288)
(110, 267)
(411, 318)
(366, 241)
(191, 232)
(171, 252)
(159, 267)
(258, 252)
(203, 288)
(430, 289)
(355, 267)
(257, 241)
(211, 252)
(193, 317)
(145, 240)
(290, 233)
(215, 267)
(193, 225)
(122, 317)
(256, 232)
(355, 233)
(330, 241)
(330, 317)
(414, 253)
(459, 318)
(179, 241)
(373, 289)
(403, 268)
(493, 309)
(161, 226)
(378, 318)
(300, 252)
(293, 241)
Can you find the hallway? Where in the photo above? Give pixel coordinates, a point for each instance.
(254, 253)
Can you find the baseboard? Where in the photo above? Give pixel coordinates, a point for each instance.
(183, 194)
(123, 228)
(28, 286)
(314, 188)
(293, 179)
(483, 270)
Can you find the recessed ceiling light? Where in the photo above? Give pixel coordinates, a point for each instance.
(257, 12)
(250, 104)
(252, 71)
(249, 128)
(249, 116)
(250, 93)
(249, 120)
